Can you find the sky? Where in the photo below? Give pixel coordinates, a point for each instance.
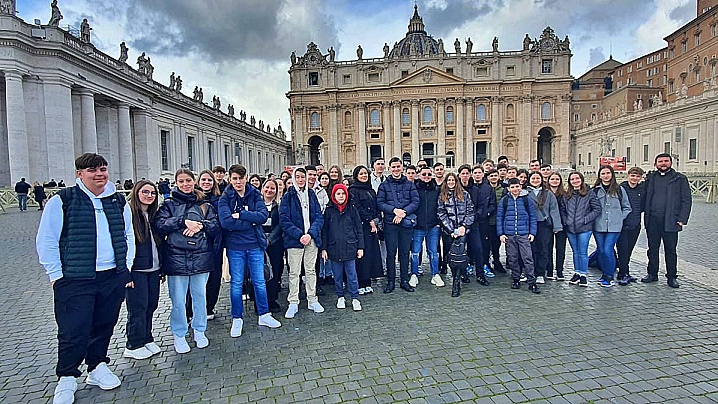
(239, 49)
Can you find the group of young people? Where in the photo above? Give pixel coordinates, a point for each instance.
(99, 250)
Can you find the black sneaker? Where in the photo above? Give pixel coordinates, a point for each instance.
(583, 282)
(624, 280)
(559, 277)
(515, 285)
(574, 280)
(649, 279)
(534, 288)
(631, 279)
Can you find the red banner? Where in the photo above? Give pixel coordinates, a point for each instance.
(618, 163)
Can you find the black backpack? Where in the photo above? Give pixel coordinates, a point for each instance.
(457, 257)
(505, 201)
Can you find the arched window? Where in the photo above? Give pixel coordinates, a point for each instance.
(450, 159)
(546, 111)
(481, 113)
(449, 115)
(314, 121)
(374, 117)
(406, 158)
(405, 118)
(510, 115)
(428, 115)
(347, 119)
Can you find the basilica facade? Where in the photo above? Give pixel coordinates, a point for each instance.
(422, 101)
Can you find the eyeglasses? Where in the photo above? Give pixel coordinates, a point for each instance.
(426, 174)
(148, 193)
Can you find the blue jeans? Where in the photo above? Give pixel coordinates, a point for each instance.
(579, 245)
(606, 244)
(238, 261)
(339, 268)
(432, 247)
(178, 286)
(22, 201)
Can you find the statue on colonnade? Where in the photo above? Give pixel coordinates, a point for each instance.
(56, 15)
(123, 52)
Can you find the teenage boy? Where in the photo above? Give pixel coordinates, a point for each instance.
(534, 166)
(427, 228)
(241, 213)
(301, 219)
(546, 171)
(312, 183)
(86, 243)
(398, 200)
(219, 173)
(411, 173)
(636, 191)
(488, 165)
(503, 159)
(516, 226)
(502, 169)
(439, 171)
(495, 244)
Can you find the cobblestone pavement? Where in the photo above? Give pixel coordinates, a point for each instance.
(634, 344)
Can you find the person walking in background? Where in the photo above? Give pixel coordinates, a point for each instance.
(38, 192)
(22, 188)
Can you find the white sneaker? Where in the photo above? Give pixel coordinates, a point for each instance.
(356, 305)
(103, 377)
(316, 307)
(139, 353)
(154, 348)
(436, 280)
(413, 281)
(523, 278)
(201, 339)
(268, 321)
(362, 291)
(237, 324)
(210, 316)
(341, 303)
(65, 390)
(540, 279)
(292, 310)
(181, 345)
(369, 290)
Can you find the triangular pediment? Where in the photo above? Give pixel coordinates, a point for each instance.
(427, 75)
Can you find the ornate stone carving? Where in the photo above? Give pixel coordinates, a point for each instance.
(457, 46)
(313, 57)
(360, 52)
(469, 46)
(549, 42)
(426, 77)
(7, 7)
(178, 86)
(173, 81)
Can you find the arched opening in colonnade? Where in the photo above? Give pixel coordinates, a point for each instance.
(544, 144)
(315, 143)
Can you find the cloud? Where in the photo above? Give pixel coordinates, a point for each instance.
(597, 56)
(221, 30)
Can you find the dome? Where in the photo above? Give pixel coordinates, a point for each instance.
(417, 41)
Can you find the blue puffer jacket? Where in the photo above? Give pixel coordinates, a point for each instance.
(290, 217)
(613, 210)
(246, 232)
(397, 193)
(516, 220)
(580, 212)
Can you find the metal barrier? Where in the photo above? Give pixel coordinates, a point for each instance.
(8, 197)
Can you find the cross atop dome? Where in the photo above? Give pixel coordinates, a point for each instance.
(416, 24)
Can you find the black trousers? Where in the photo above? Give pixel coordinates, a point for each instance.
(86, 312)
(486, 229)
(541, 248)
(142, 302)
(475, 250)
(625, 244)
(558, 242)
(397, 238)
(276, 260)
(656, 233)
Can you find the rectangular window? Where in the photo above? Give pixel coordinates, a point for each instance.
(226, 155)
(450, 70)
(374, 135)
(576, 118)
(649, 83)
(405, 134)
(373, 77)
(347, 79)
(692, 149)
(698, 39)
(628, 154)
(546, 66)
(210, 152)
(190, 152)
(449, 133)
(238, 153)
(164, 146)
(684, 47)
(250, 166)
(667, 147)
(313, 78)
(671, 89)
(404, 73)
(714, 30)
(645, 153)
(481, 132)
(511, 70)
(679, 135)
(482, 71)
(449, 116)
(589, 159)
(580, 161)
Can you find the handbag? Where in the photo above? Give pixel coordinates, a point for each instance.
(197, 242)
(409, 221)
(268, 275)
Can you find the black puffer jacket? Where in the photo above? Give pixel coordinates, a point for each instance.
(176, 261)
(342, 235)
(484, 200)
(637, 199)
(363, 197)
(427, 215)
(580, 212)
(455, 213)
(678, 201)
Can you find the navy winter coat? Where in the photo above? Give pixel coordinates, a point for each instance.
(342, 233)
(290, 217)
(177, 261)
(484, 199)
(516, 220)
(580, 213)
(397, 193)
(679, 200)
(637, 199)
(244, 233)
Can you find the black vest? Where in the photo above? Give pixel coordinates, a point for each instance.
(78, 240)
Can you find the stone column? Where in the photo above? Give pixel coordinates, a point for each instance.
(298, 137)
(58, 123)
(89, 124)
(441, 130)
(334, 157)
(146, 142)
(564, 149)
(469, 155)
(386, 124)
(16, 127)
(362, 134)
(459, 141)
(496, 128)
(415, 152)
(124, 135)
(526, 136)
(396, 129)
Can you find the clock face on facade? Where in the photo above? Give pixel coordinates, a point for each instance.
(313, 59)
(548, 44)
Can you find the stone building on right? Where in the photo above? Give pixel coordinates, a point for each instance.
(664, 101)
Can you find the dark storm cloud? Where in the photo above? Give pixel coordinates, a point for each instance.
(223, 30)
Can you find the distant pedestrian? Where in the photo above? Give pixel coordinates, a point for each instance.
(668, 206)
(22, 188)
(39, 194)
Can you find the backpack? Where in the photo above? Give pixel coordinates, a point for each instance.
(457, 257)
(199, 241)
(505, 201)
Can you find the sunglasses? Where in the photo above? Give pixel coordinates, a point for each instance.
(426, 174)
(148, 193)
